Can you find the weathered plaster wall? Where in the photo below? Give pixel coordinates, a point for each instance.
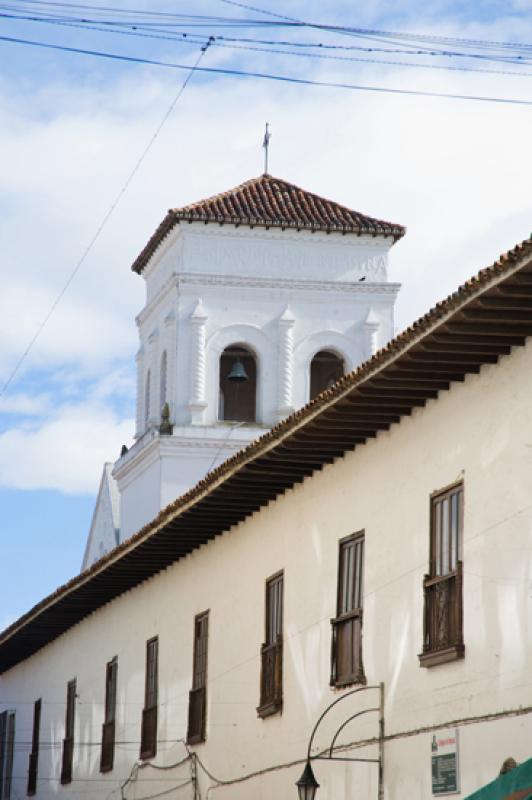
(479, 430)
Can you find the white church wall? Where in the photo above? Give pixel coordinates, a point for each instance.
(211, 286)
(477, 431)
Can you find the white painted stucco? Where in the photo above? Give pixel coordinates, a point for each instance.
(479, 431)
(285, 295)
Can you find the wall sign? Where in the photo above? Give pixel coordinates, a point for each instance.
(444, 762)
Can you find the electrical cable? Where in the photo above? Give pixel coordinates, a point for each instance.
(192, 39)
(104, 221)
(272, 77)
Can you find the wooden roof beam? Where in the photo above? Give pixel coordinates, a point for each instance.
(484, 329)
(468, 338)
(462, 348)
(465, 358)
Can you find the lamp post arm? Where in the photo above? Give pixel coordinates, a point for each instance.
(331, 705)
(344, 724)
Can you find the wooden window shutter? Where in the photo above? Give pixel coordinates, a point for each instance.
(34, 754)
(197, 704)
(271, 681)
(148, 738)
(346, 640)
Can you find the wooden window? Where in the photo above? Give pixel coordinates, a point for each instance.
(197, 705)
(68, 741)
(346, 650)
(443, 633)
(271, 681)
(34, 755)
(148, 738)
(7, 749)
(325, 369)
(108, 727)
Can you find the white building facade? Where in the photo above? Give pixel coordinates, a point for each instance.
(380, 537)
(268, 273)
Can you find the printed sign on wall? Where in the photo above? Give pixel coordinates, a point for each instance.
(444, 757)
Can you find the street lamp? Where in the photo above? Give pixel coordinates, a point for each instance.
(307, 784)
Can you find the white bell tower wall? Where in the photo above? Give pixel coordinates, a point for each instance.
(283, 296)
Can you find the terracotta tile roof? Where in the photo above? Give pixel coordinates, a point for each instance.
(482, 320)
(270, 202)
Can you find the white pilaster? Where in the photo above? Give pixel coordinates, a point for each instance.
(286, 363)
(153, 365)
(140, 393)
(198, 402)
(170, 331)
(371, 333)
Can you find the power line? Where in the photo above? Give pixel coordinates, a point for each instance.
(270, 76)
(104, 221)
(232, 43)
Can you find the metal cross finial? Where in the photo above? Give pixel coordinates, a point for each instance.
(266, 144)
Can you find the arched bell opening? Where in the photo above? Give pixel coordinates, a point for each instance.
(238, 385)
(325, 369)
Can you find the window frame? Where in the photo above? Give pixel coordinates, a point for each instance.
(68, 742)
(109, 723)
(7, 750)
(33, 766)
(448, 612)
(271, 674)
(197, 698)
(352, 617)
(148, 735)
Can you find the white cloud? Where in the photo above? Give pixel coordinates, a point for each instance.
(66, 452)
(453, 172)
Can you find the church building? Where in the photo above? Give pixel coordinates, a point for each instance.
(256, 300)
(342, 608)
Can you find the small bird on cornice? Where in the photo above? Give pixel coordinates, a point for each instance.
(363, 278)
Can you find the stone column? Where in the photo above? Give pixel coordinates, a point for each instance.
(170, 346)
(371, 333)
(286, 364)
(140, 393)
(153, 366)
(198, 364)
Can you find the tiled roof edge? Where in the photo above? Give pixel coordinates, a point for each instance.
(397, 346)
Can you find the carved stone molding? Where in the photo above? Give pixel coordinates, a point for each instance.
(286, 363)
(210, 279)
(198, 401)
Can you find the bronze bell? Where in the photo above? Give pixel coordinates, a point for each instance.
(238, 372)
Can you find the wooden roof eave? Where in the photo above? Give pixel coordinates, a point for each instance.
(370, 400)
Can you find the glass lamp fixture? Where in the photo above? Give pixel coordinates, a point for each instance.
(307, 784)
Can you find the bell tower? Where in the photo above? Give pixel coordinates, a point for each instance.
(256, 300)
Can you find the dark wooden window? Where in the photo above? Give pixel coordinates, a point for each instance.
(7, 749)
(271, 679)
(346, 650)
(148, 738)
(237, 399)
(108, 727)
(443, 633)
(325, 369)
(34, 755)
(68, 741)
(197, 704)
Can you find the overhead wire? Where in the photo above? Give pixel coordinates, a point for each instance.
(270, 76)
(226, 42)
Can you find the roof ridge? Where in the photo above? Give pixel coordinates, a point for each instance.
(270, 202)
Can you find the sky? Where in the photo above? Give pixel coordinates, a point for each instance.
(456, 173)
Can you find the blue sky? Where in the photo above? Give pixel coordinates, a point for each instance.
(457, 174)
